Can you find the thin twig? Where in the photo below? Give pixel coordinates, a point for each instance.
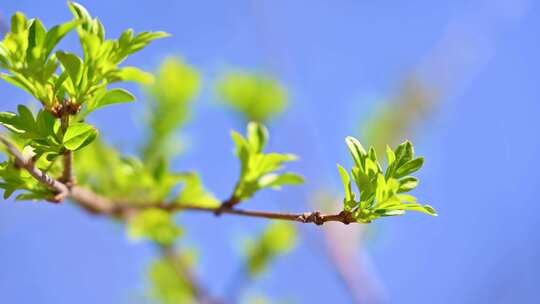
(61, 190)
(67, 175)
(97, 204)
(315, 217)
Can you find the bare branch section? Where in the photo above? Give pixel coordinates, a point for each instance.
(67, 175)
(96, 204)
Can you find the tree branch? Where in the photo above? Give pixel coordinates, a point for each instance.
(67, 175)
(61, 190)
(96, 204)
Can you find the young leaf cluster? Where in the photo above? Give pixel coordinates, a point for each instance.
(89, 76)
(43, 132)
(381, 193)
(68, 86)
(258, 169)
(26, 53)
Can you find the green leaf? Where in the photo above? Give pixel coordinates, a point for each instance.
(363, 182)
(19, 81)
(407, 184)
(111, 97)
(26, 118)
(276, 180)
(36, 39)
(417, 207)
(18, 23)
(261, 164)
(55, 34)
(194, 193)
(78, 135)
(134, 74)
(79, 11)
(72, 64)
(45, 123)
(390, 155)
(409, 167)
(257, 136)
(10, 121)
(404, 153)
(357, 151)
(346, 180)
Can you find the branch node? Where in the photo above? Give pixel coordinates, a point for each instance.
(346, 217)
(226, 205)
(312, 217)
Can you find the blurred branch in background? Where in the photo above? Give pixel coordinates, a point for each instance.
(277, 239)
(394, 121)
(352, 268)
(174, 270)
(463, 50)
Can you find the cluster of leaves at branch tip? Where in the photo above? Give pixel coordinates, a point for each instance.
(256, 96)
(68, 86)
(277, 239)
(381, 193)
(259, 169)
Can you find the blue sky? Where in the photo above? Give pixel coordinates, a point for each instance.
(337, 59)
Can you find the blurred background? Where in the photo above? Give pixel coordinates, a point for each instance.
(460, 79)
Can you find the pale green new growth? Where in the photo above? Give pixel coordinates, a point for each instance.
(255, 96)
(194, 193)
(258, 169)
(381, 193)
